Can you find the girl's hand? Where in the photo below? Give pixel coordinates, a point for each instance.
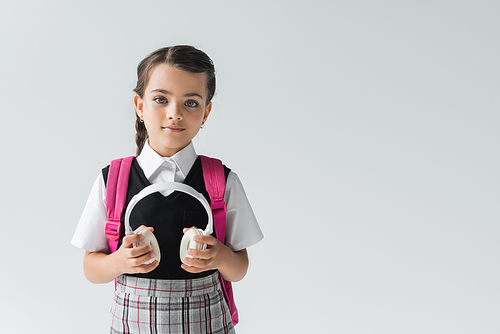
(208, 259)
(100, 267)
(232, 265)
(131, 260)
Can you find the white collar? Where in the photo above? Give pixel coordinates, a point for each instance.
(150, 161)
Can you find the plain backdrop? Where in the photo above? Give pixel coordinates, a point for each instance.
(366, 134)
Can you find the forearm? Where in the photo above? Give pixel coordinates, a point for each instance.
(100, 267)
(235, 265)
(103, 268)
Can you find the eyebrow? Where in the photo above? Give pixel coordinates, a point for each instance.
(166, 92)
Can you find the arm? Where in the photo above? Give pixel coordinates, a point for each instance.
(232, 265)
(103, 268)
(241, 225)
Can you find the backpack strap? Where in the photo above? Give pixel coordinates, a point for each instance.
(116, 195)
(215, 184)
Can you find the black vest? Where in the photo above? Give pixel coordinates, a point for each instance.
(168, 215)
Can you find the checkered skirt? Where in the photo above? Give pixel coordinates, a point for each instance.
(143, 305)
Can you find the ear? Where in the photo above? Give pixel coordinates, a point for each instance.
(208, 109)
(138, 105)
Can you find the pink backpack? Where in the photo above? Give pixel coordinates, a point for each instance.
(215, 183)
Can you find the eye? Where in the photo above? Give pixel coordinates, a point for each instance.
(160, 100)
(191, 104)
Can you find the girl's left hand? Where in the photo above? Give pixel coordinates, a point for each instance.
(231, 265)
(213, 257)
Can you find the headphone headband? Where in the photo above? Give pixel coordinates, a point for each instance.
(175, 186)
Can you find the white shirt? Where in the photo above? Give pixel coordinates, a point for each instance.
(242, 229)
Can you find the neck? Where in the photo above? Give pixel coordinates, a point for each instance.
(165, 151)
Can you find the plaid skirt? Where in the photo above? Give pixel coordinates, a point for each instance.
(143, 305)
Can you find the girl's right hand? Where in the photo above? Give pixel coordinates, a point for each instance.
(130, 259)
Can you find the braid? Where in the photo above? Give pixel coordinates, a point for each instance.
(141, 135)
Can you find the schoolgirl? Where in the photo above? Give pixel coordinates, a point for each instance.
(173, 101)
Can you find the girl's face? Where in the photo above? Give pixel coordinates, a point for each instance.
(173, 108)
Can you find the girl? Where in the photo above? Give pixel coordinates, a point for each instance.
(174, 89)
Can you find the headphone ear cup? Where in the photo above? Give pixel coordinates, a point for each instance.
(149, 239)
(187, 242)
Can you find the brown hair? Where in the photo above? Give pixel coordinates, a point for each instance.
(182, 57)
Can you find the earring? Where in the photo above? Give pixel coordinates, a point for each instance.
(142, 119)
(202, 125)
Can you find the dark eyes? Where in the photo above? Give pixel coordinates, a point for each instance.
(188, 103)
(191, 104)
(160, 100)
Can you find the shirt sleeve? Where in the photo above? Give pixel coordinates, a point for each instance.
(242, 228)
(89, 234)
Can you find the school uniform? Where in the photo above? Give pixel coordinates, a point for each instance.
(169, 298)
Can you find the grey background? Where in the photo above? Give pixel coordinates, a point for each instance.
(365, 133)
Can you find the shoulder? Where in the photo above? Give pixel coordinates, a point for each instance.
(116, 163)
(208, 160)
(233, 181)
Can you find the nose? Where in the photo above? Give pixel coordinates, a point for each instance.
(174, 112)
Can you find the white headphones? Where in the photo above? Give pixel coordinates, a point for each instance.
(187, 241)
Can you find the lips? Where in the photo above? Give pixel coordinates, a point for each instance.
(173, 128)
